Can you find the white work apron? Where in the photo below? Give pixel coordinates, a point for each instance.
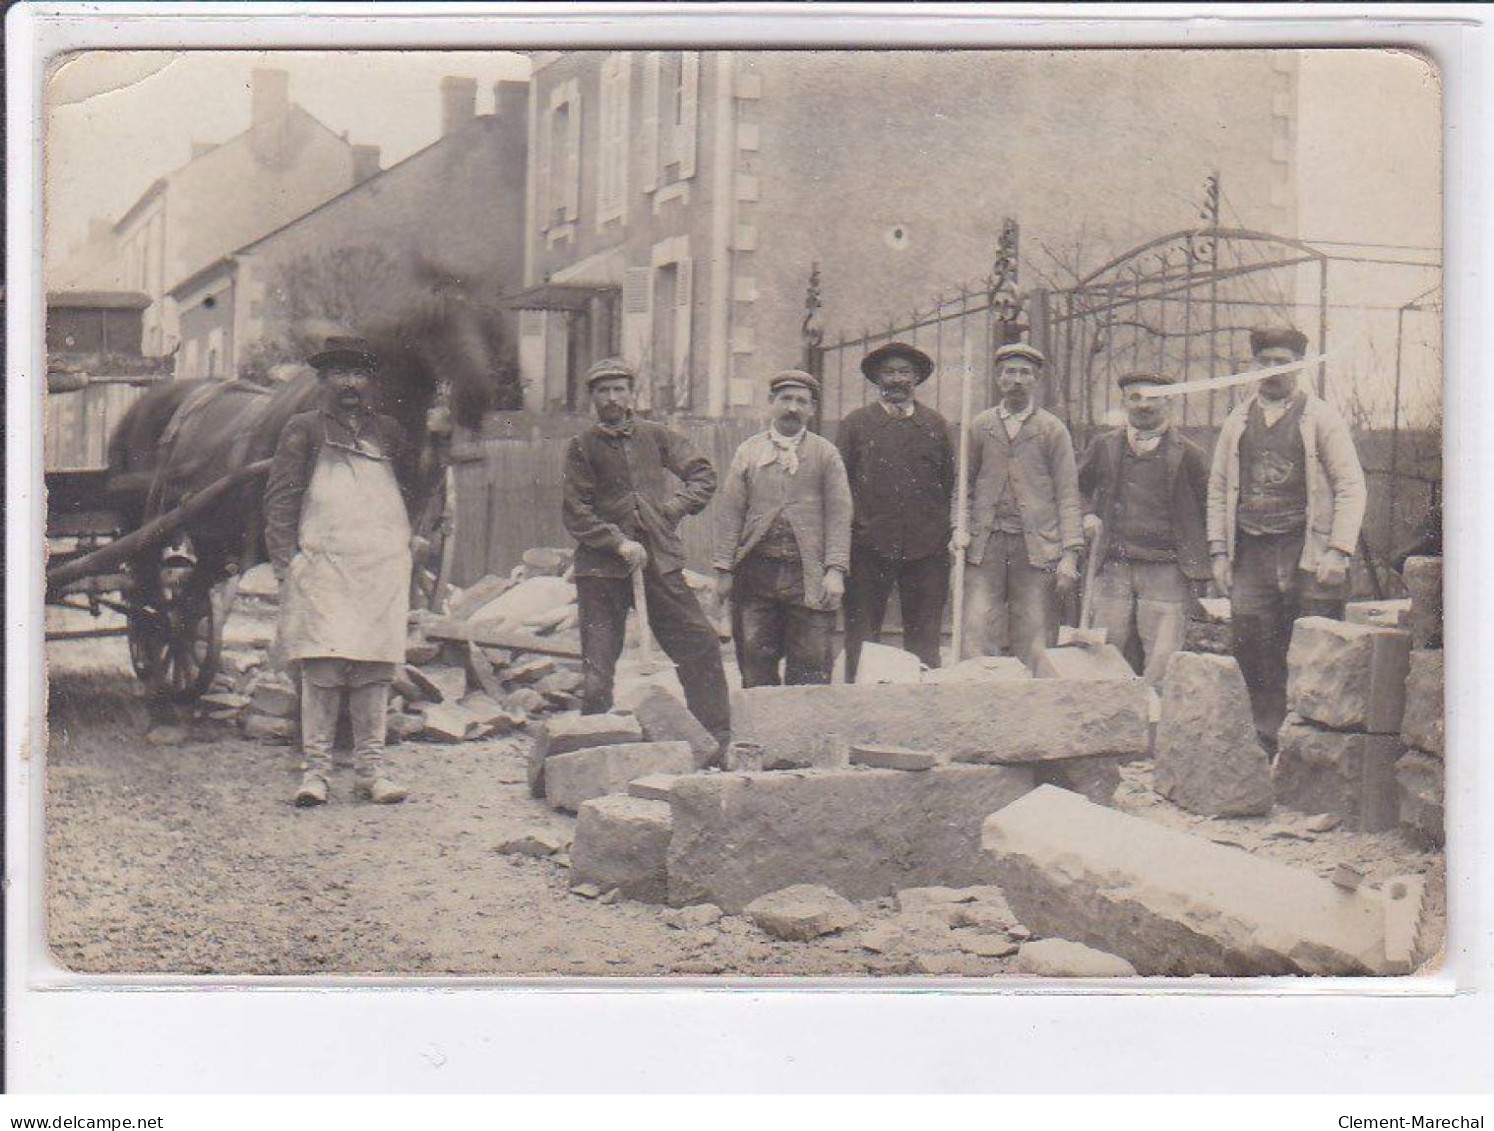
(347, 591)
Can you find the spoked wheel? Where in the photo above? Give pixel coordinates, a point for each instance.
(176, 643)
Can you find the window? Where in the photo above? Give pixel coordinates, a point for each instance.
(671, 89)
(558, 165)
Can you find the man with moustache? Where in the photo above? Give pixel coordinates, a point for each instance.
(625, 515)
(1025, 530)
(1145, 485)
(1285, 504)
(783, 540)
(901, 466)
(338, 535)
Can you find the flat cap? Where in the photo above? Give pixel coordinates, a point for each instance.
(1019, 349)
(1143, 377)
(922, 363)
(344, 351)
(1278, 337)
(609, 367)
(794, 377)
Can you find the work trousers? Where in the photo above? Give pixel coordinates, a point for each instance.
(1145, 600)
(679, 625)
(325, 683)
(777, 628)
(1010, 606)
(1269, 592)
(922, 586)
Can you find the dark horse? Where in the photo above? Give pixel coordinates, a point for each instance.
(185, 436)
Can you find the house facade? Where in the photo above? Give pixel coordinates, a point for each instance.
(677, 200)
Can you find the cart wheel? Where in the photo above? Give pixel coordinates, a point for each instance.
(194, 646)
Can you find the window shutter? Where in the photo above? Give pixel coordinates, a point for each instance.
(649, 142)
(636, 282)
(689, 111)
(607, 109)
(573, 154)
(543, 207)
(622, 83)
(683, 286)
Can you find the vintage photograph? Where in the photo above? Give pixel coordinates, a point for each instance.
(962, 514)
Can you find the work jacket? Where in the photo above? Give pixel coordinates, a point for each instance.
(902, 476)
(816, 500)
(1335, 483)
(1039, 464)
(1187, 485)
(615, 490)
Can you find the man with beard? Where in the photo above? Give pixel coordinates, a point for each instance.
(338, 535)
(1025, 530)
(901, 465)
(783, 536)
(1286, 500)
(1145, 484)
(625, 515)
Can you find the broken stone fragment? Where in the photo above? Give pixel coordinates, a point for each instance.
(534, 842)
(1348, 676)
(416, 686)
(419, 650)
(802, 912)
(527, 700)
(1423, 578)
(275, 695)
(1347, 774)
(599, 771)
(664, 718)
(988, 945)
(225, 700)
(448, 722)
(652, 787)
(1083, 661)
(621, 844)
(694, 917)
(529, 671)
(1059, 958)
(1420, 780)
(270, 728)
(1207, 757)
(404, 725)
(475, 596)
(892, 757)
(1424, 726)
(448, 679)
(564, 733)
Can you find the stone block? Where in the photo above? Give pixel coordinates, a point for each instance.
(581, 775)
(401, 725)
(1424, 725)
(1394, 613)
(802, 912)
(893, 757)
(1343, 773)
(448, 722)
(448, 679)
(865, 833)
(664, 718)
(565, 733)
(1097, 778)
(419, 650)
(1060, 958)
(1348, 676)
(534, 842)
(225, 700)
(1423, 578)
(527, 700)
(416, 686)
(275, 695)
(622, 843)
(881, 663)
(1083, 661)
(530, 671)
(652, 787)
(979, 669)
(1421, 782)
(994, 721)
(1171, 903)
(478, 594)
(270, 728)
(1207, 757)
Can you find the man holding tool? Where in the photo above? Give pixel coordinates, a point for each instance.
(625, 515)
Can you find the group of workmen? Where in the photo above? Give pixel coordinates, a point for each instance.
(805, 528)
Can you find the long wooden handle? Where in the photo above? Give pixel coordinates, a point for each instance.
(961, 523)
(1091, 571)
(640, 606)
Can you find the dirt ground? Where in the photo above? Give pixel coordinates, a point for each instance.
(190, 859)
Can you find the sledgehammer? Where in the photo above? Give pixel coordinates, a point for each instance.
(645, 639)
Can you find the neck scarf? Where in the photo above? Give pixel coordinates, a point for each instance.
(1144, 441)
(896, 411)
(783, 450)
(622, 430)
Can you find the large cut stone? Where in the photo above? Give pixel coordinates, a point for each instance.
(1348, 676)
(979, 669)
(275, 695)
(1424, 725)
(622, 842)
(1173, 903)
(565, 733)
(802, 912)
(581, 775)
(865, 833)
(1395, 613)
(1421, 782)
(881, 663)
(665, 719)
(1208, 759)
(985, 721)
(1423, 578)
(449, 722)
(1083, 661)
(1096, 778)
(1342, 772)
(1060, 958)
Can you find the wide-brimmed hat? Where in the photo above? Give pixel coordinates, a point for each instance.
(1143, 377)
(609, 367)
(922, 363)
(1278, 337)
(794, 377)
(1019, 349)
(342, 351)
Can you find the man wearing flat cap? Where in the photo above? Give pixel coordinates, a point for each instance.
(1286, 500)
(1025, 524)
(338, 535)
(783, 540)
(625, 514)
(1144, 485)
(901, 466)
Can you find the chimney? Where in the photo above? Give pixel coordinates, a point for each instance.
(269, 92)
(511, 101)
(365, 162)
(202, 148)
(458, 103)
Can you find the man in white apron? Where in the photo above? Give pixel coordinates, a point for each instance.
(338, 535)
